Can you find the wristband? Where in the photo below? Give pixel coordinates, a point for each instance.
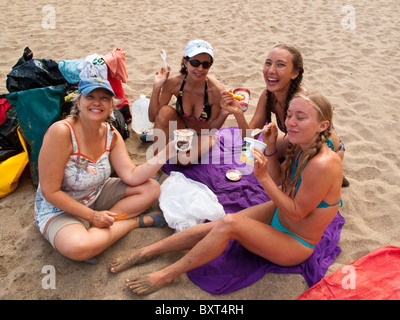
(272, 154)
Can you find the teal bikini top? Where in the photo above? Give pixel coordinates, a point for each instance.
(323, 204)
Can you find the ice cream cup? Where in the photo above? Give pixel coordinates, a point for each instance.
(183, 138)
(246, 93)
(247, 150)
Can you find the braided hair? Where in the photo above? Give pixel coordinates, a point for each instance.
(325, 110)
(297, 61)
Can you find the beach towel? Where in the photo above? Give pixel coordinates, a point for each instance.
(115, 61)
(375, 276)
(236, 267)
(117, 74)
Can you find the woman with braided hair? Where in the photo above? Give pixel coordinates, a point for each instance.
(283, 73)
(284, 230)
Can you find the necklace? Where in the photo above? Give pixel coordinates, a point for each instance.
(196, 91)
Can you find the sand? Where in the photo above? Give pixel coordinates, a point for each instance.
(356, 66)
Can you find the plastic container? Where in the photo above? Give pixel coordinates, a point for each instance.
(140, 116)
(247, 150)
(233, 175)
(246, 93)
(184, 139)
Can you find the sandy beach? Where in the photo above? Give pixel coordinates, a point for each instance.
(351, 57)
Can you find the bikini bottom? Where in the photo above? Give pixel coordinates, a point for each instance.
(275, 223)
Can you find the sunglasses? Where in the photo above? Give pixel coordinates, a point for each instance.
(196, 63)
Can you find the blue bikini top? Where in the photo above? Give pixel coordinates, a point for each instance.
(323, 204)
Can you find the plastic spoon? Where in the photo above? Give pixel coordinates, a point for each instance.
(257, 131)
(163, 55)
(121, 216)
(238, 97)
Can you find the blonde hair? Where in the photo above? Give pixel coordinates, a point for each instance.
(325, 111)
(74, 112)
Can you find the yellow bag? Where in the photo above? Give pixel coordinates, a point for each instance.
(12, 168)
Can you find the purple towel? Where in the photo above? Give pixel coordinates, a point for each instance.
(236, 267)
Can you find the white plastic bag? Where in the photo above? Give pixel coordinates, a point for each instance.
(186, 203)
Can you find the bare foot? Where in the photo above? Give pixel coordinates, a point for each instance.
(135, 257)
(146, 284)
(121, 264)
